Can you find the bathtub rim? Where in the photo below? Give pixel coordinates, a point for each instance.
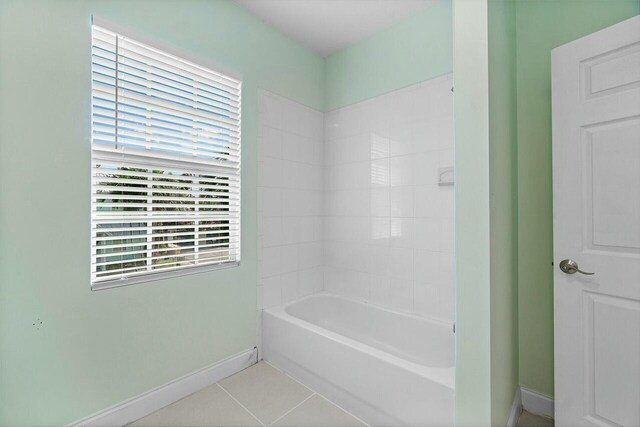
(414, 316)
(442, 376)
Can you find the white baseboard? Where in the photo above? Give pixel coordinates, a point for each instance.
(537, 403)
(516, 408)
(146, 403)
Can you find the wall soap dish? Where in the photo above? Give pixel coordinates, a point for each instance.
(445, 176)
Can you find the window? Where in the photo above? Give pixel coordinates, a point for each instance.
(165, 164)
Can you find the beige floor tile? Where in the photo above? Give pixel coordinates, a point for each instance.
(211, 406)
(265, 391)
(318, 412)
(530, 420)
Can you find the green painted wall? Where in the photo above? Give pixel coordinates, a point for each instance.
(95, 349)
(416, 49)
(473, 277)
(541, 26)
(503, 210)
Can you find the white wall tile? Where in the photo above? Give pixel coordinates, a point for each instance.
(291, 146)
(271, 291)
(380, 260)
(271, 264)
(379, 145)
(446, 202)
(426, 166)
(428, 234)
(448, 237)
(334, 280)
(421, 135)
(306, 151)
(427, 266)
(402, 203)
(272, 231)
(291, 230)
(290, 256)
(401, 141)
(406, 135)
(402, 170)
(401, 263)
(425, 199)
(289, 286)
(270, 201)
(304, 180)
(380, 173)
(270, 142)
(403, 233)
(447, 269)
(380, 231)
(292, 202)
(306, 282)
(446, 156)
(349, 201)
(380, 201)
(311, 281)
(290, 185)
(309, 255)
(292, 114)
(305, 228)
(271, 172)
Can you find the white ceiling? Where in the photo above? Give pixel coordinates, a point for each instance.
(329, 25)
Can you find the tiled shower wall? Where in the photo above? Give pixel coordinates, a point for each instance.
(388, 226)
(355, 208)
(290, 197)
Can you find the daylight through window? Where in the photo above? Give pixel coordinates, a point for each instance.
(165, 151)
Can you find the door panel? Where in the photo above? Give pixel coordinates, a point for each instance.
(596, 171)
(612, 72)
(613, 180)
(612, 346)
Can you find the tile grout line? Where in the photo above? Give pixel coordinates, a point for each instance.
(290, 410)
(290, 377)
(344, 410)
(314, 392)
(239, 403)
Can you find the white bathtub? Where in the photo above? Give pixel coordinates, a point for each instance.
(385, 367)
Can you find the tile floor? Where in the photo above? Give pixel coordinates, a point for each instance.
(260, 395)
(528, 419)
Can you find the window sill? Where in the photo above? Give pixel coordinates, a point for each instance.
(161, 275)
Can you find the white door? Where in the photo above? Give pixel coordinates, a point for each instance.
(596, 223)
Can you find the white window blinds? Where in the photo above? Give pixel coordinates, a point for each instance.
(165, 163)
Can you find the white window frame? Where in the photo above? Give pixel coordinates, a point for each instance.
(158, 274)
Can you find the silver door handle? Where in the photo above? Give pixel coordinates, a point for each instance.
(569, 266)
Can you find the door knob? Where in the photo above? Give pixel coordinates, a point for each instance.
(569, 266)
